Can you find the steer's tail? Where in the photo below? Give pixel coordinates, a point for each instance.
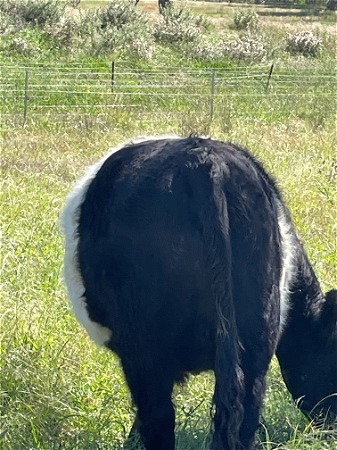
(229, 387)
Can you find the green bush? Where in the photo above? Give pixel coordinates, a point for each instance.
(143, 47)
(303, 43)
(178, 25)
(28, 42)
(7, 7)
(245, 19)
(205, 49)
(74, 3)
(117, 27)
(245, 49)
(22, 47)
(65, 33)
(118, 14)
(33, 12)
(6, 23)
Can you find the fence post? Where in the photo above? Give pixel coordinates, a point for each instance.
(269, 76)
(112, 75)
(26, 98)
(212, 95)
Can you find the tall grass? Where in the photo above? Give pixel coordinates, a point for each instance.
(59, 391)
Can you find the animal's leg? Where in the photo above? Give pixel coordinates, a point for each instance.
(133, 437)
(228, 414)
(155, 416)
(255, 366)
(134, 428)
(156, 426)
(252, 404)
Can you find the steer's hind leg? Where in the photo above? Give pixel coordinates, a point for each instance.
(132, 441)
(252, 404)
(155, 416)
(259, 349)
(134, 429)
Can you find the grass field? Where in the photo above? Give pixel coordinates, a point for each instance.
(58, 391)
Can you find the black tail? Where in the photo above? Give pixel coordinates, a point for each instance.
(229, 387)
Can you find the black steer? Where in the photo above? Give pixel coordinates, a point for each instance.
(181, 257)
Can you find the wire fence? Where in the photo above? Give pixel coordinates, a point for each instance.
(40, 92)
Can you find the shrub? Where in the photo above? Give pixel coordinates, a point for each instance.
(248, 49)
(22, 47)
(65, 33)
(205, 49)
(33, 12)
(178, 25)
(142, 47)
(74, 3)
(245, 19)
(7, 7)
(331, 5)
(6, 23)
(304, 43)
(118, 26)
(118, 14)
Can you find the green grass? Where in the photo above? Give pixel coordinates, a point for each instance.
(58, 391)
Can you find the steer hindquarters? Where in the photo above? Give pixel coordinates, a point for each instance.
(183, 271)
(147, 279)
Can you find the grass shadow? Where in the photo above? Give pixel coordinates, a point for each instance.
(309, 12)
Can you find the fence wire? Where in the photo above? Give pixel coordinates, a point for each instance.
(36, 91)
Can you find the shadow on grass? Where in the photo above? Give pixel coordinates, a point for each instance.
(282, 9)
(185, 440)
(308, 12)
(270, 436)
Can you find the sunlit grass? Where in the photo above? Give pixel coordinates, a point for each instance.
(59, 390)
